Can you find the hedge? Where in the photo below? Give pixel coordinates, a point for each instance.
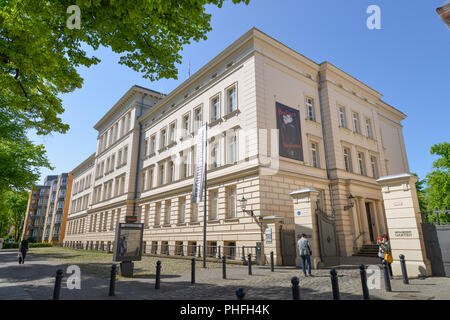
(15, 245)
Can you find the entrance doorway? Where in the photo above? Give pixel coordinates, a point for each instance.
(369, 222)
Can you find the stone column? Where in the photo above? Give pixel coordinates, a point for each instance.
(404, 224)
(364, 221)
(306, 222)
(382, 216)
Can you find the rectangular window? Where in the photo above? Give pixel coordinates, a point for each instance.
(356, 126)
(347, 160)
(171, 172)
(232, 203)
(342, 118)
(198, 118)
(153, 144)
(215, 155)
(125, 155)
(213, 204)
(162, 142)
(232, 99)
(182, 210)
(373, 162)
(150, 178)
(145, 147)
(369, 129)
(161, 174)
(315, 155)
(172, 131)
(215, 108)
(362, 166)
(119, 158)
(185, 166)
(232, 149)
(310, 112)
(186, 124)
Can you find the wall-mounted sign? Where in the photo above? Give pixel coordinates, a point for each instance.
(268, 235)
(403, 234)
(398, 204)
(299, 213)
(128, 242)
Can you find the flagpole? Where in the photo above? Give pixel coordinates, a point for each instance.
(204, 205)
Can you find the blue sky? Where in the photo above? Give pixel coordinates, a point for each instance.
(407, 61)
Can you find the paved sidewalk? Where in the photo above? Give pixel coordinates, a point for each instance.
(35, 280)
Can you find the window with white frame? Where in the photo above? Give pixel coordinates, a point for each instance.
(342, 117)
(213, 204)
(161, 174)
(362, 164)
(145, 147)
(310, 112)
(185, 166)
(125, 155)
(232, 202)
(215, 155)
(198, 117)
(215, 108)
(168, 212)
(232, 148)
(369, 129)
(162, 142)
(356, 126)
(315, 155)
(232, 99)
(373, 162)
(186, 124)
(347, 160)
(171, 171)
(149, 178)
(181, 210)
(153, 144)
(172, 132)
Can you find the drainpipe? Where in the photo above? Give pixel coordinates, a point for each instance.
(325, 143)
(136, 183)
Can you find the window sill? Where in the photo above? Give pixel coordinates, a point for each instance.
(215, 122)
(231, 219)
(213, 221)
(166, 225)
(345, 128)
(312, 121)
(156, 226)
(181, 224)
(232, 114)
(171, 144)
(196, 223)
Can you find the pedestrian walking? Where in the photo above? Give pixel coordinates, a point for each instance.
(305, 252)
(23, 248)
(385, 253)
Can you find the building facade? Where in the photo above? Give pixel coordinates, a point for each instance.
(276, 122)
(47, 209)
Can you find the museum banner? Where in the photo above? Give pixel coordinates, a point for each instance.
(290, 137)
(200, 161)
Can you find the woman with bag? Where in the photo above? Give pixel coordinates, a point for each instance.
(384, 253)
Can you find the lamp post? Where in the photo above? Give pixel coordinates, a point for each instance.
(351, 203)
(258, 220)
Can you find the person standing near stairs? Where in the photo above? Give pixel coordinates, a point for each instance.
(384, 252)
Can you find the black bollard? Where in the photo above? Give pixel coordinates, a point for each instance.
(58, 280)
(272, 266)
(387, 281)
(243, 253)
(224, 267)
(250, 264)
(335, 284)
(295, 289)
(218, 253)
(199, 249)
(192, 270)
(240, 294)
(158, 274)
(182, 250)
(404, 272)
(112, 281)
(365, 289)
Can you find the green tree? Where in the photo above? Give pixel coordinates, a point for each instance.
(438, 181)
(17, 201)
(4, 215)
(40, 53)
(421, 194)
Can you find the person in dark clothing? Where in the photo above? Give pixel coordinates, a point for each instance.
(23, 248)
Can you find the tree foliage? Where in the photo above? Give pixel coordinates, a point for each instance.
(438, 181)
(40, 54)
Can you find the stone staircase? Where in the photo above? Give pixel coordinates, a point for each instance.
(368, 250)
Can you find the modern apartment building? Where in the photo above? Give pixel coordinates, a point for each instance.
(47, 209)
(277, 122)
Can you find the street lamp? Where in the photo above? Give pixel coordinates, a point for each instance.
(351, 203)
(258, 220)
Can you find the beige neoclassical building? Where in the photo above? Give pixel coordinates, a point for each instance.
(277, 122)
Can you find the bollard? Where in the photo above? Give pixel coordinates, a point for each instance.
(387, 281)
(112, 281)
(224, 267)
(218, 253)
(243, 253)
(193, 271)
(199, 249)
(404, 272)
(158, 274)
(365, 289)
(250, 264)
(335, 284)
(182, 250)
(58, 280)
(272, 266)
(240, 294)
(295, 289)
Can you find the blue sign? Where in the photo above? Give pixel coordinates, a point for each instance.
(298, 213)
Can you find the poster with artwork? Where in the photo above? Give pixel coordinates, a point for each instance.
(128, 242)
(290, 136)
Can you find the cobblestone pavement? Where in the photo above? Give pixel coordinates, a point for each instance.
(35, 280)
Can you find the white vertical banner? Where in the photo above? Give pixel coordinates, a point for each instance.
(200, 160)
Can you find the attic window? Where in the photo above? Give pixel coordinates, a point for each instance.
(230, 64)
(340, 85)
(197, 87)
(214, 75)
(186, 95)
(308, 76)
